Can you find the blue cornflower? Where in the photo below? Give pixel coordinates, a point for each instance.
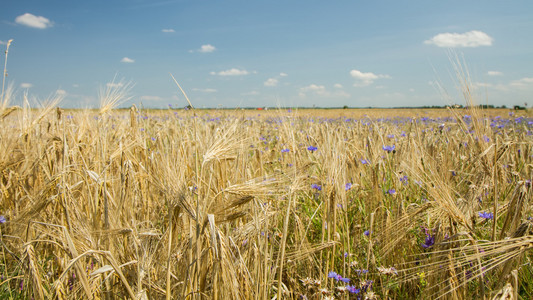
(404, 180)
(366, 232)
(430, 241)
(486, 215)
(2, 219)
(332, 274)
(352, 289)
(345, 280)
(348, 186)
(364, 162)
(312, 148)
(316, 187)
(285, 150)
(391, 191)
(389, 148)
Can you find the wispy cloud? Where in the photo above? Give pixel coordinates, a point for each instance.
(274, 81)
(271, 82)
(207, 48)
(231, 72)
(470, 39)
(61, 92)
(320, 90)
(366, 78)
(30, 20)
(169, 30)
(494, 73)
(26, 85)
(127, 60)
(523, 82)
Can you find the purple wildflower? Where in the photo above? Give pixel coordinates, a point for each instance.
(345, 280)
(312, 148)
(348, 186)
(391, 191)
(366, 232)
(430, 241)
(285, 150)
(364, 162)
(316, 187)
(2, 219)
(389, 148)
(352, 289)
(486, 215)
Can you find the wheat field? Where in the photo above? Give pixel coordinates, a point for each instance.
(278, 204)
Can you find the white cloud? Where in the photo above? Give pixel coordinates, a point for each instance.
(365, 79)
(151, 98)
(271, 82)
(127, 60)
(522, 83)
(26, 85)
(337, 86)
(472, 38)
(494, 73)
(207, 48)
(30, 20)
(231, 72)
(320, 90)
(3, 43)
(61, 92)
(313, 88)
(208, 90)
(170, 30)
(283, 74)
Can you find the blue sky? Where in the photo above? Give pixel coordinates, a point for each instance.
(269, 53)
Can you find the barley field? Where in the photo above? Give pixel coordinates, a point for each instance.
(277, 204)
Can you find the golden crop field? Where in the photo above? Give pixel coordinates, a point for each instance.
(245, 204)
